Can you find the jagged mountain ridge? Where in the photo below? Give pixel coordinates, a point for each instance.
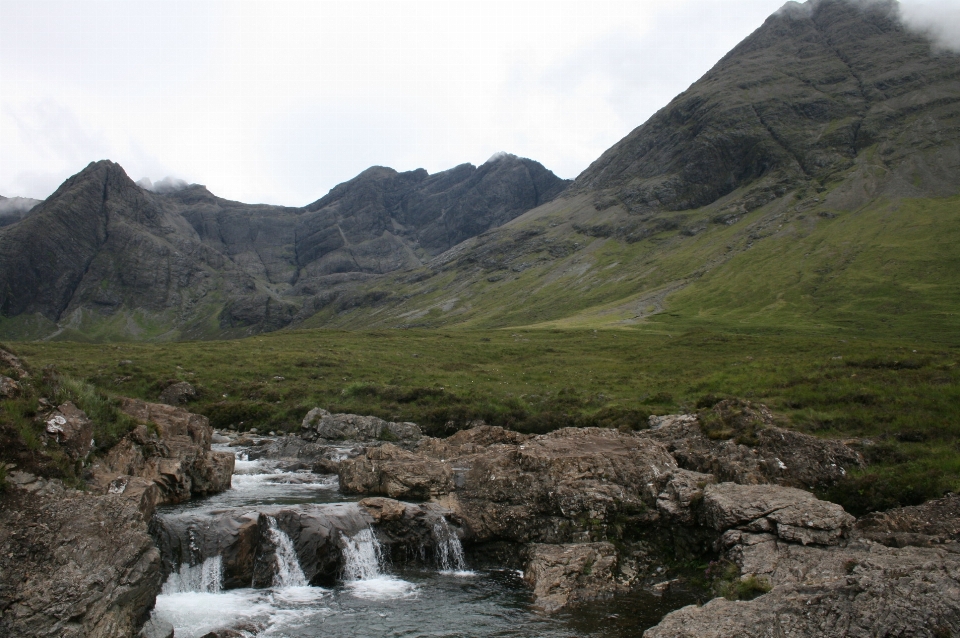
(103, 257)
(803, 141)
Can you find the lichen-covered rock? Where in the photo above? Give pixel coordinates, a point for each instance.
(681, 495)
(470, 441)
(71, 428)
(178, 394)
(746, 447)
(354, 427)
(13, 363)
(74, 565)
(562, 575)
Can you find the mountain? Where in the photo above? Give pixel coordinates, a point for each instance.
(13, 209)
(105, 258)
(809, 178)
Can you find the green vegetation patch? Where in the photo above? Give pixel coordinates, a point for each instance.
(897, 400)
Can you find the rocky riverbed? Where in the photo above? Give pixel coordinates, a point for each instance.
(300, 529)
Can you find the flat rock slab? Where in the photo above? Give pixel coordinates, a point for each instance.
(794, 515)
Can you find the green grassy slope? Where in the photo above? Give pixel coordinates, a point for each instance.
(889, 268)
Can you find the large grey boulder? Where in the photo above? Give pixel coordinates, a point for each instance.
(178, 393)
(354, 427)
(793, 515)
(572, 484)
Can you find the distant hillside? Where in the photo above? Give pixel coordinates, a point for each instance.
(809, 178)
(103, 258)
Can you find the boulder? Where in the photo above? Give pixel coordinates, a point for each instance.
(178, 394)
(353, 427)
(74, 564)
(737, 441)
(394, 472)
(792, 514)
(566, 574)
(71, 428)
(8, 388)
(155, 628)
(681, 495)
(568, 485)
(177, 458)
(13, 363)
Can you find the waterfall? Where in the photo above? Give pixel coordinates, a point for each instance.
(362, 555)
(289, 573)
(449, 551)
(206, 577)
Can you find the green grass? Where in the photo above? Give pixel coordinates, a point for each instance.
(899, 399)
(23, 441)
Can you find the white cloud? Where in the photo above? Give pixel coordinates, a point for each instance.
(279, 101)
(939, 19)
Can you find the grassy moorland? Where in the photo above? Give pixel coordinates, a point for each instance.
(899, 399)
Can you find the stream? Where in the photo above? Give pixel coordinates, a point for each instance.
(437, 597)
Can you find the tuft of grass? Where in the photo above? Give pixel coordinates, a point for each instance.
(110, 424)
(724, 578)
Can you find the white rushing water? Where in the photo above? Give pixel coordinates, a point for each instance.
(362, 560)
(206, 578)
(289, 573)
(449, 550)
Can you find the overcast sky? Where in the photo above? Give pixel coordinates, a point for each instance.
(279, 101)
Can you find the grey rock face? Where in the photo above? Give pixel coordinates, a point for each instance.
(794, 515)
(524, 489)
(155, 628)
(8, 387)
(74, 565)
(931, 524)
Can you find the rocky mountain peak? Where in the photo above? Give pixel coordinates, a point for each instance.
(795, 102)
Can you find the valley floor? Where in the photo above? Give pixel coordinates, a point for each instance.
(898, 399)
